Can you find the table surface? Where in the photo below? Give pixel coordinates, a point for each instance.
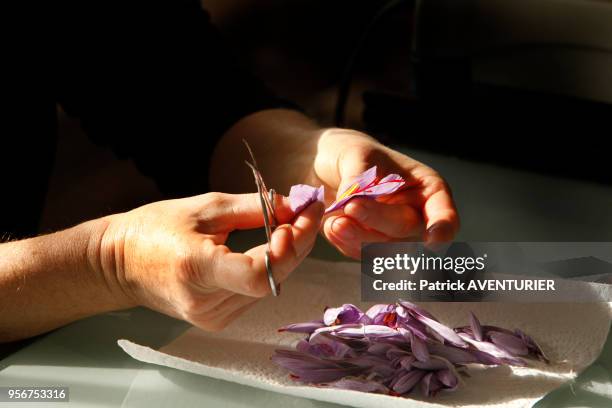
(496, 204)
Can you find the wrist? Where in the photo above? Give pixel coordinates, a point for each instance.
(104, 261)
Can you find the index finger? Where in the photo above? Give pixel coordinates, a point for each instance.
(441, 217)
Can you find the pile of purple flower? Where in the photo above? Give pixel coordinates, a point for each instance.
(393, 348)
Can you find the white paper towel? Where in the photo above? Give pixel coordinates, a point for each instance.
(572, 335)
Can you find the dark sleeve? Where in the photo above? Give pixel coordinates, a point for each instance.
(154, 81)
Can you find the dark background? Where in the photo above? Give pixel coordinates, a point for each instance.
(421, 93)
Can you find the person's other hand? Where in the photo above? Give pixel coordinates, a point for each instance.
(422, 211)
(170, 255)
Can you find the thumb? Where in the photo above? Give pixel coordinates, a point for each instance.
(228, 212)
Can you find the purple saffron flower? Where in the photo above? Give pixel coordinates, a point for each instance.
(368, 185)
(365, 185)
(302, 195)
(393, 349)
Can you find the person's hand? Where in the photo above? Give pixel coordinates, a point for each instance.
(422, 211)
(170, 255)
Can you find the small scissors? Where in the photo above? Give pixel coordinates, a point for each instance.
(267, 205)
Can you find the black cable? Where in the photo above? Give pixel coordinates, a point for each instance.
(347, 76)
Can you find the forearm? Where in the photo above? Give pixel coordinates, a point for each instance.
(52, 280)
(284, 143)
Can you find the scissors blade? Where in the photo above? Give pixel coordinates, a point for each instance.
(267, 206)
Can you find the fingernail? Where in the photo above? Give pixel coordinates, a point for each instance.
(343, 229)
(439, 232)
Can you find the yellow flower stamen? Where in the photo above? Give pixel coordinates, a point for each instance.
(348, 192)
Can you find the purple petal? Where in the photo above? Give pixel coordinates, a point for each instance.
(387, 185)
(379, 349)
(430, 321)
(419, 349)
(486, 358)
(365, 185)
(494, 350)
(339, 346)
(374, 364)
(445, 332)
(406, 382)
(307, 327)
(448, 378)
(432, 364)
(295, 360)
(414, 309)
(435, 363)
(453, 354)
(311, 369)
(345, 314)
(324, 350)
(364, 179)
(329, 329)
(396, 353)
(413, 326)
(534, 347)
(430, 385)
(510, 343)
(360, 182)
(476, 328)
(368, 330)
(303, 346)
(336, 205)
(302, 195)
(407, 362)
